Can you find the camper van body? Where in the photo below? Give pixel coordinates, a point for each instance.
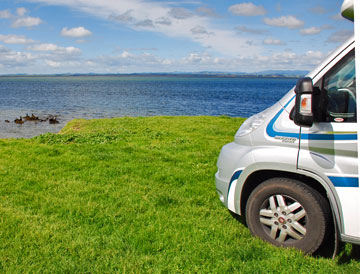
(286, 174)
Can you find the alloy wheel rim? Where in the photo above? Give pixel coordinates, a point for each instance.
(283, 218)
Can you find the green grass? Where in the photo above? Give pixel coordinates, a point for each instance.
(131, 195)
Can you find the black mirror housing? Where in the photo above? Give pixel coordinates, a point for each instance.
(304, 115)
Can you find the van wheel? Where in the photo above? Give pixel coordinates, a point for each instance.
(288, 213)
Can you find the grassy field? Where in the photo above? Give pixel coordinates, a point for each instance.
(131, 195)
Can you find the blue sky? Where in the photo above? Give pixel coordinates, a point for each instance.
(126, 36)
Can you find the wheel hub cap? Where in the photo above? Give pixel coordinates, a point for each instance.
(282, 220)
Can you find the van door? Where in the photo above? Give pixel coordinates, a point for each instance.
(329, 148)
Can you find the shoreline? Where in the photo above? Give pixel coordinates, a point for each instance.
(157, 75)
(31, 129)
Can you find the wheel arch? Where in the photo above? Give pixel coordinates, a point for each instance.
(259, 176)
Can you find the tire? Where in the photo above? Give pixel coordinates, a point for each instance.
(288, 213)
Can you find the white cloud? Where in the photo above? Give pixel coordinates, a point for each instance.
(205, 11)
(162, 17)
(21, 11)
(310, 31)
(49, 59)
(278, 60)
(44, 47)
(247, 9)
(3, 49)
(15, 39)
(128, 62)
(12, 59)
(180, 13)
(117, 49)
(26, 22)
(78, 32)
(271, 41)
(5, 14)
(284, 57)
(53, 63)
(290, 22)
(123, 17)
(223, 49)
(198, 58)
(251, 30)
(340, 36)
(199, 30)
(314, 55)
(145, 24)
(40, 58)
(126, 54)
(55, 49)
(163, 21)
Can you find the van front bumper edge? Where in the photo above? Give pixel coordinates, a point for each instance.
(232, 160)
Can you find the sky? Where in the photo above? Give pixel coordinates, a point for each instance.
(141, 36)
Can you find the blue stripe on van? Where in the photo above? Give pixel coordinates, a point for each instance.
(344, 181)
(235, 176)
(270, 130)
(329, 136)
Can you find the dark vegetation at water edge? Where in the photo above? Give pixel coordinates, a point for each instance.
(131, 195)
(51, 119)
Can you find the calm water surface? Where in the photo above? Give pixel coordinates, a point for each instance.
(116, 96)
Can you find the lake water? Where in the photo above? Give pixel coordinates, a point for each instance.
(115, 96)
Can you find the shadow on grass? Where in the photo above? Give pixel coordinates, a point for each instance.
(239, 218)
(348, 255)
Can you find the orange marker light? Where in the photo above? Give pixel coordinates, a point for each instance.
(305, 107)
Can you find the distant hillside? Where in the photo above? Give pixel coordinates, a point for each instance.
(267, 73)
(289, 73)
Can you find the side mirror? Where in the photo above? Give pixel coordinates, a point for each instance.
(304, 115)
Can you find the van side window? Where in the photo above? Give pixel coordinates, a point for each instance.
(339, 91)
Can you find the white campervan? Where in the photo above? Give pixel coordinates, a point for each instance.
(292, 169)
